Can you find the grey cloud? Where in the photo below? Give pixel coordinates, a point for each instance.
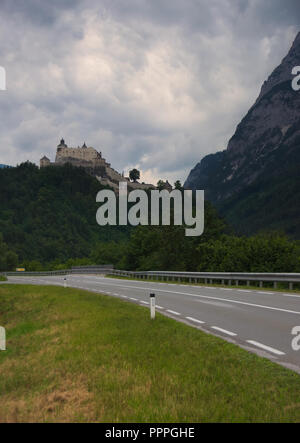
(39, 12)
(154, 83)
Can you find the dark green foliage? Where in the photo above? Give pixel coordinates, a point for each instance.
(134, 175)
(8, 259)
(47, 217)
(50, 213)
(272, 202)
(272, 252)
(167, 247)
(178, 185)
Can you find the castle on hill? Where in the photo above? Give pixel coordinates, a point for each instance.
(93, 162)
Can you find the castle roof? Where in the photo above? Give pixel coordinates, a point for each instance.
(62, 143)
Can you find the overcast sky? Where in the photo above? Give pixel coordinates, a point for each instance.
(153, 84)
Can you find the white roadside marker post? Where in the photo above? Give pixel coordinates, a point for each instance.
(2, 339)
(65, 282)
(152, 306)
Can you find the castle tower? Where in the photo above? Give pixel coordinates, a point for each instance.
(62, 145)
(44, 162)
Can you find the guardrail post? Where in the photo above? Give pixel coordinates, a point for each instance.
(291, 286)
(275, 284)
(229, 282)
(261, 284)
(248, 283)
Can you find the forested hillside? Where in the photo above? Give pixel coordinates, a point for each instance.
(48, 221)
(50, 213)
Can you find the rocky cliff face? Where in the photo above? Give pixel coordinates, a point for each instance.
(255, 182)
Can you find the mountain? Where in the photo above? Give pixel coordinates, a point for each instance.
(255, 183)
(50, 213)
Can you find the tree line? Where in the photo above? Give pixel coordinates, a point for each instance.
(47, 221)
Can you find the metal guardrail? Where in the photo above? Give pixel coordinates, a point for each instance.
(211, 277)
(92, 268)
(76, 270)
(191, 277)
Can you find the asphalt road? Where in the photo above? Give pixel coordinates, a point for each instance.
(259, 321)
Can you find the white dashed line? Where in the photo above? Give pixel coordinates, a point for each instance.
(232, 334)
(266, 348)
(134, 299)
(144, 302)
(289, 295)
(159, 307)
(195, 320)
(173, 312)
(265, 293)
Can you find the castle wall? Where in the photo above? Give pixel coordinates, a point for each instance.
(94, 164)
(87, 154)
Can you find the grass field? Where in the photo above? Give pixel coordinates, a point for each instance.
(76, 356)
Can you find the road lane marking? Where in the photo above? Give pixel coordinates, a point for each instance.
(134, 299)
(173, 312)
(290, 295)
(216, 298)
(266, 348)
(144, 302)
(195, 320)
(216, 328)
(209, 297)
(159, 307)
(266, 293)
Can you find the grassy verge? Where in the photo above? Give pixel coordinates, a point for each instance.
(76, 356)
(280, 288)
(3, 278)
